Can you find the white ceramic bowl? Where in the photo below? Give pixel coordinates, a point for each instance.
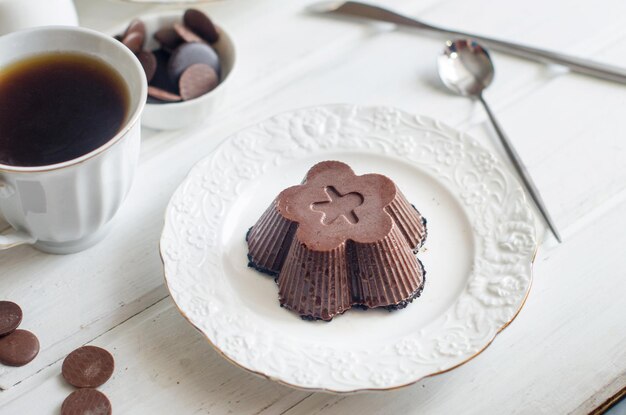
(175, 115)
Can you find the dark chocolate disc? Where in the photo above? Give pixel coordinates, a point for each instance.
(88, 367)
(162, 95)
(201, 25)
(136, 25)
(134, 41)
(10, 317)
(148, 62)
(86, 402)
(18, 348)
(187, 34)
(168, 38)
(197, 80)
(188, 54)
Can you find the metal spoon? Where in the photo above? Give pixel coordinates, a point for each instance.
(466, 68)
(373, 12)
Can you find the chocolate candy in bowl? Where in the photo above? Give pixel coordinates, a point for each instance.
(200, 24)
(149, 63)
(135, 25)
(186, 34)
(197, 80)
(176, 101)
(134, 36)
(190, 54)
(168, 38)
(158, 95)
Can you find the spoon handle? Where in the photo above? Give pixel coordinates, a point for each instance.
(575, 64)
(521, 170)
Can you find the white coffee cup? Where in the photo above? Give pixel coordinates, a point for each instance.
(67, 207)
(23, 14)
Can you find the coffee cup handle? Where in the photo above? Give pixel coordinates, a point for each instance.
(12, 237)
(15, 238)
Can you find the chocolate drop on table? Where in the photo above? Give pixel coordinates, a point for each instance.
(18, 348)
(187, 34)
(188, 54)
(86, 402)
(88, 367)
(197, 80)
(201, 25)
(134, 41)
(10, 317)
(148, 62)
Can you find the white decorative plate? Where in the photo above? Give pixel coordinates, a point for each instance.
(478, 255)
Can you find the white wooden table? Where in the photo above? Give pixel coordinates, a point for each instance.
(565, 352)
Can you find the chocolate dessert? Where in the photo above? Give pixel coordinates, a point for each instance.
(340, 240)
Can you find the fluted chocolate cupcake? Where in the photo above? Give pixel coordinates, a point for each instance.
(340, 240)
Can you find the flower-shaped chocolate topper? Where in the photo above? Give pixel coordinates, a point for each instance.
(339, 240)
(334, 205)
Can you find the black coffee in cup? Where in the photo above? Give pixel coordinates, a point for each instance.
(55, 107)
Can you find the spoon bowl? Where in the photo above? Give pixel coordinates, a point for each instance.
(465, 67)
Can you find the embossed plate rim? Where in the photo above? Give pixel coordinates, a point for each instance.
(307, 131)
